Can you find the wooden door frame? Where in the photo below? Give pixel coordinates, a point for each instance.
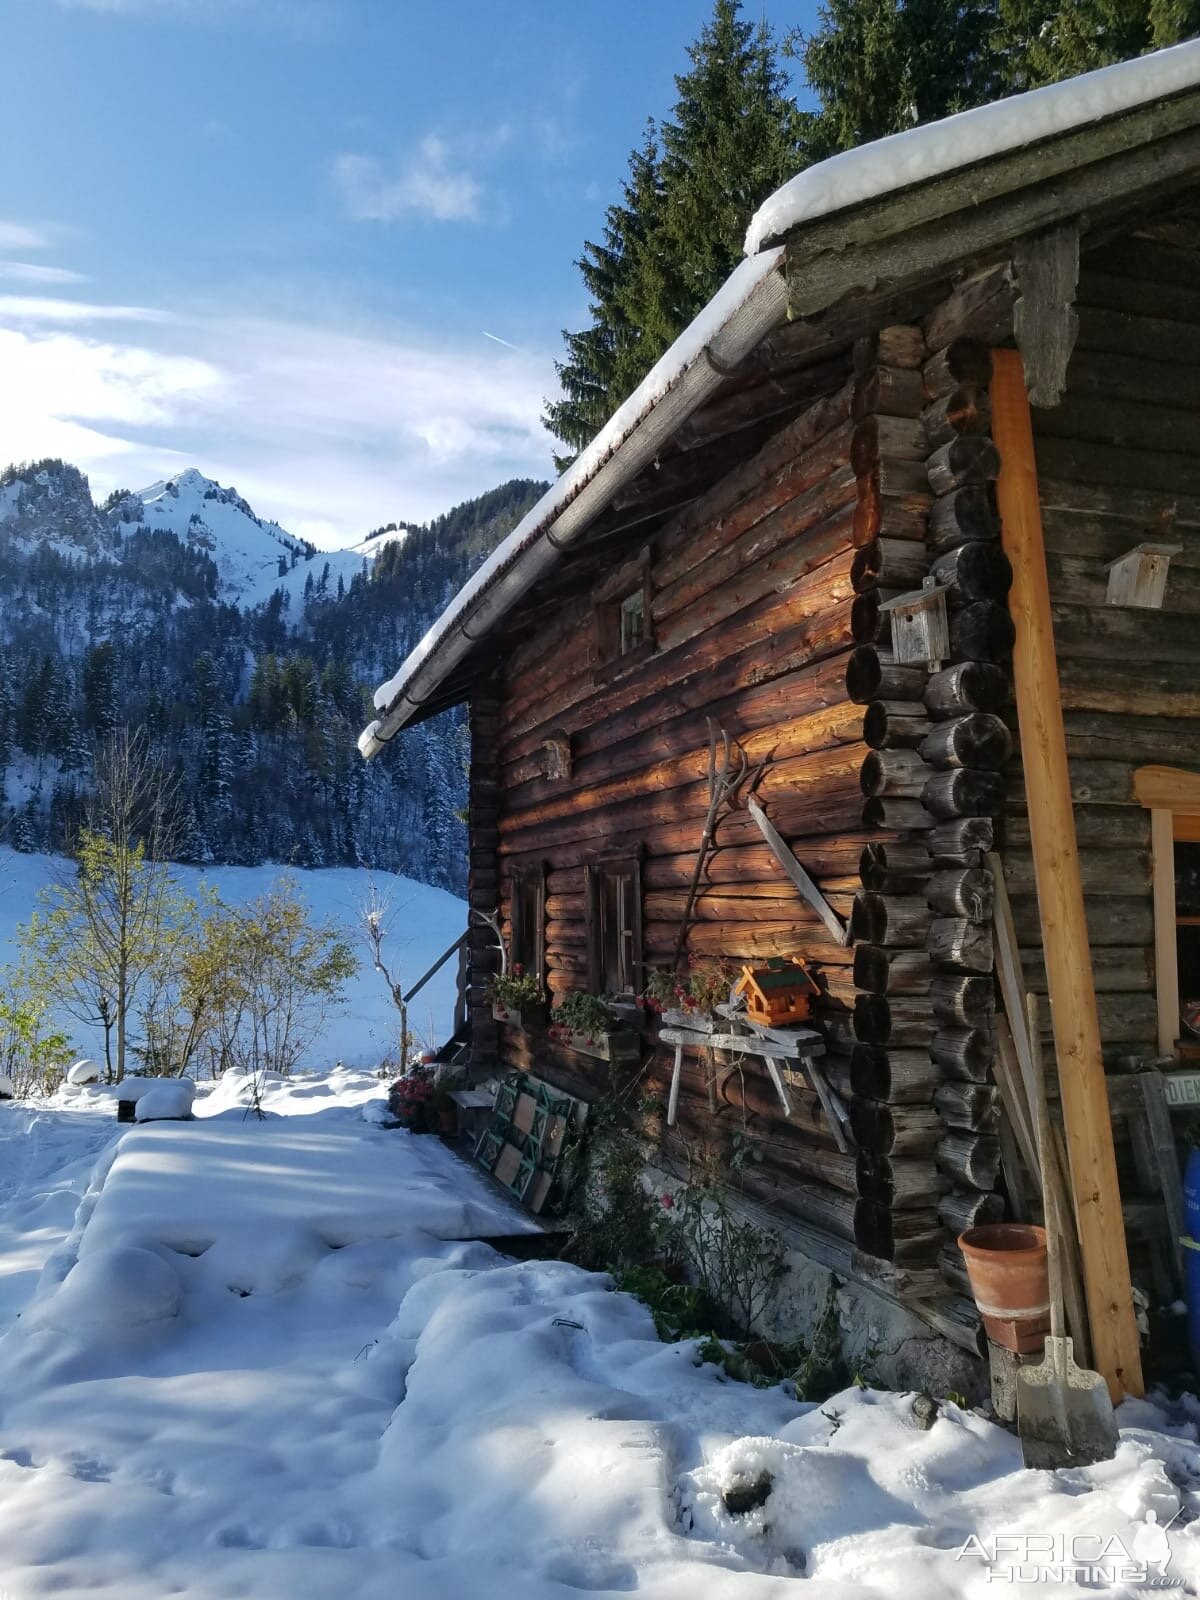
(1170, 795)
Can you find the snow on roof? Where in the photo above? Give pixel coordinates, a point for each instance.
(920, 154)
(915, 156)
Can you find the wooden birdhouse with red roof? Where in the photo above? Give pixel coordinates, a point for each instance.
(777, 991)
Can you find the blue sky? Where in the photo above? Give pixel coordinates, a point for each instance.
(271, 238)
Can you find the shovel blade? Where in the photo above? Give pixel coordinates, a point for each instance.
(1064, 1413)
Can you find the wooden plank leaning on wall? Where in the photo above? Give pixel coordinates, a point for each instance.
(1060, 893)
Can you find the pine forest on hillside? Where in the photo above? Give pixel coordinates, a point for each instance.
(105, 622)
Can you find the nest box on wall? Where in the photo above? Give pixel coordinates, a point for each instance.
(778, 990)
(920, 626)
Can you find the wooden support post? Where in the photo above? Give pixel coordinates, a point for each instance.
(1166, 962)
(1086, 1116)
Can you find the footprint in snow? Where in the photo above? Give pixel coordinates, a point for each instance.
(237, 1537)
(591, 1570)
(942, 1538)
(324, 1535)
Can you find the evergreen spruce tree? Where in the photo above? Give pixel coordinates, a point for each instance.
(735, 135)
(8, 712)
(99, 682)
(880, 66)
(22, 833)
(606, 361)
(1043, 41)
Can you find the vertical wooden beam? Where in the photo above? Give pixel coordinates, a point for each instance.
(483, 877)
(1044, 319)
(1060, 893)
(1166, 955)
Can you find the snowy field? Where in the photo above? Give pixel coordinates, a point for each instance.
(279, 1360)
(364, 1029)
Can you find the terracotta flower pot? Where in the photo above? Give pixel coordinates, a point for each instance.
(1006, 1263)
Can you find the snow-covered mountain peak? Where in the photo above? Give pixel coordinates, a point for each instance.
(252, 555)
(192, 488)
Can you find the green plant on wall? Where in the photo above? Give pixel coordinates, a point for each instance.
(514, 990)
(739, 1265)
(701, 988)
(583, 1016)
(618, 1223)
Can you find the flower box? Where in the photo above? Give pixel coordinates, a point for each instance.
(530, 1016)
(616, 1046)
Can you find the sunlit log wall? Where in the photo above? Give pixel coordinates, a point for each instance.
(766, 618)
(889, 783)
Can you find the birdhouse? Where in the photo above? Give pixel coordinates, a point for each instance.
(1139, 577)
(920, 625)
(778, 991)
(554, 756)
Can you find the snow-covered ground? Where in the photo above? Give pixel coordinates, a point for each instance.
(363, 1030)
(279, 1359)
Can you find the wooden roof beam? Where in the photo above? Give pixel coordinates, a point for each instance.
(1044, 320)
(969, 189)
(824, 266)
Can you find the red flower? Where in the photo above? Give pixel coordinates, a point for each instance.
(668, 1202)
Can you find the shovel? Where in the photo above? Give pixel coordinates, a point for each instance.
(1064, 1413)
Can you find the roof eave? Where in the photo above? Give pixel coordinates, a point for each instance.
(567, 521)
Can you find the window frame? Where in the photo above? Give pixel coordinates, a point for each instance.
(1172, 797)
(598, 872)
(528, 882)
(609, 599)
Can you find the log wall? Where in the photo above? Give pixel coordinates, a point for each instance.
(1117, 466)
(890, 783)
(765, 605)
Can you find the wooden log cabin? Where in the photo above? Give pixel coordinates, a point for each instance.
(958, 380)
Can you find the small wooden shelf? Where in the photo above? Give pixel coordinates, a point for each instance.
(1188, 922)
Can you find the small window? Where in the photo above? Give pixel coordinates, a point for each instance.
(527, 944)
(623, 626)
(633, 620)
(614, 926)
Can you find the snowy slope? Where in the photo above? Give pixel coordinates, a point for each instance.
(323, 567)
(364, 1029)
(370, 548)
(246, 549)
(279, 1359)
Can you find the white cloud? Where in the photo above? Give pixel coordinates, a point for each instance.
(430, 184)
(29, 308)
(20, 236)
(63, 395)
(331, 430)
(29, 272)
